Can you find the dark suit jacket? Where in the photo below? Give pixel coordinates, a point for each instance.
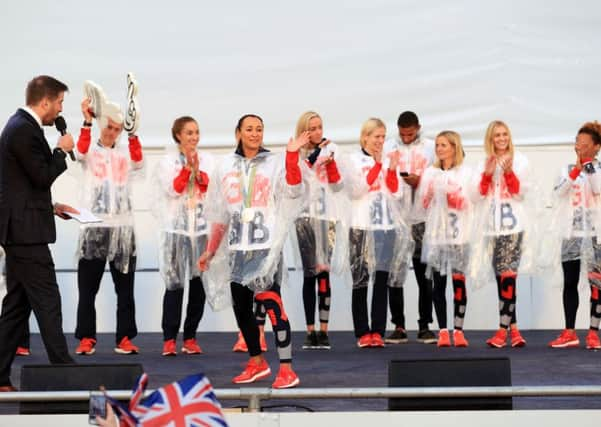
(27, 170)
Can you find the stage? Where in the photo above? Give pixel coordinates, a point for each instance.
(347, 366)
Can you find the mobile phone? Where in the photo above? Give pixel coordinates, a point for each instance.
(404, 174)
(97, 406)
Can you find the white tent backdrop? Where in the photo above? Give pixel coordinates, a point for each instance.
(457, 64)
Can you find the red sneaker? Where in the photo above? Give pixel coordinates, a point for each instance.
(169, 348)
(126, 347)
(459, 338)
(22, 351)
(517, 340)
(566, 339)
(191, 347)
(592, 340)
(376, 340)
(262, 340)
(499, 339)
(253, 372)
(364, 341)
(444, 339)
(86, 346)
(286, 378)
(240, 346)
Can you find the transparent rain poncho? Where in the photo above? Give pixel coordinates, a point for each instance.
(379, 238)
(444, 199)
(181, 217)
(505, 231)
(324, 216)
(257, 207)
(574, 227)
(106, 191)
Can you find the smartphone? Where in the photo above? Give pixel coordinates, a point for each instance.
(404, 174)
(97, 406)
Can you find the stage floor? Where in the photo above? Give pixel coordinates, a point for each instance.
(345, 365)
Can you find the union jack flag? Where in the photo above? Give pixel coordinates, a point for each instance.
(190, 402)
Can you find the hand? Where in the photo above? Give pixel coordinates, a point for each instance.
(192, 160)
(377, 155)
(66, 143)
(506, 162)
(490, 165)
(85, 109)
(110, 420)
(63, 210)
(205, 260)
(395, 157)
(296, 144)
(412, 180)
(324, 143)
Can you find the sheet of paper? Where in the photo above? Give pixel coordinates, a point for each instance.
(84, 216)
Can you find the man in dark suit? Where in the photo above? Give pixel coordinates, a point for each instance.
(28, 167)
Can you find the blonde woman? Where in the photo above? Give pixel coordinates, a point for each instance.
(378, 237)
(445, 249)
(503, 185)
(316, 227)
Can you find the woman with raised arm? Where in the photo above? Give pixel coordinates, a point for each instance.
(316, 227)
(254, 196)
(578, 218)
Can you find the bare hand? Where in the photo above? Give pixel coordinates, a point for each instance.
(395, 157)
(205, 260)
(324, 143)
(66, 143)
(110, 420)
(192, 160)
(85, 109)
(506, 162)
(377, 155)
(63, 210)
(296, 144)
(490, 166)
(412, 180)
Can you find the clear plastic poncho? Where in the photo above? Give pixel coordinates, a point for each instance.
(257, 206)
(106, 192)
(181, 217)
(324, 217)
(574, 228)
(379, 238)
(504, 237)
(443, 200)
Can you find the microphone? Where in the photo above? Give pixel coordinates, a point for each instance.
(61, 126)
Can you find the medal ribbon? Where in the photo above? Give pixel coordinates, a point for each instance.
(248, 189)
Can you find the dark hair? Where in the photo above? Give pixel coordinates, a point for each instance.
(179, 124)
(407, 119)
(593, 129)
(239, 125)
(41, 87)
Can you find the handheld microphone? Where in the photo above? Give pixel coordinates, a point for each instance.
(61, 126)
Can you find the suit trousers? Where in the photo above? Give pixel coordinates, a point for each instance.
(30, 285)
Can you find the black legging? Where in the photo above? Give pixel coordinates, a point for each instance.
(571, 275)
(172, 310)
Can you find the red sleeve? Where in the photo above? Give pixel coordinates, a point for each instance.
(373, 173)
(180, 181)
(574, 173)
(293, 172)
(392, 181)
(513, 182)
(135, 148)
(202, 181)
(85, 138)
(217, 232)
(485, 183)
(332, 171)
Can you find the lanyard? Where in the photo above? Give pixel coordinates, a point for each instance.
(247, 181)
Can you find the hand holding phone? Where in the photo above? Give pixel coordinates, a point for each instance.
(404, 174)
(97, 407)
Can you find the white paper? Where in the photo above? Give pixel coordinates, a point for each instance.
(84, 216)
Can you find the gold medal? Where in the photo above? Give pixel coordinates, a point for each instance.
(248, 214)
